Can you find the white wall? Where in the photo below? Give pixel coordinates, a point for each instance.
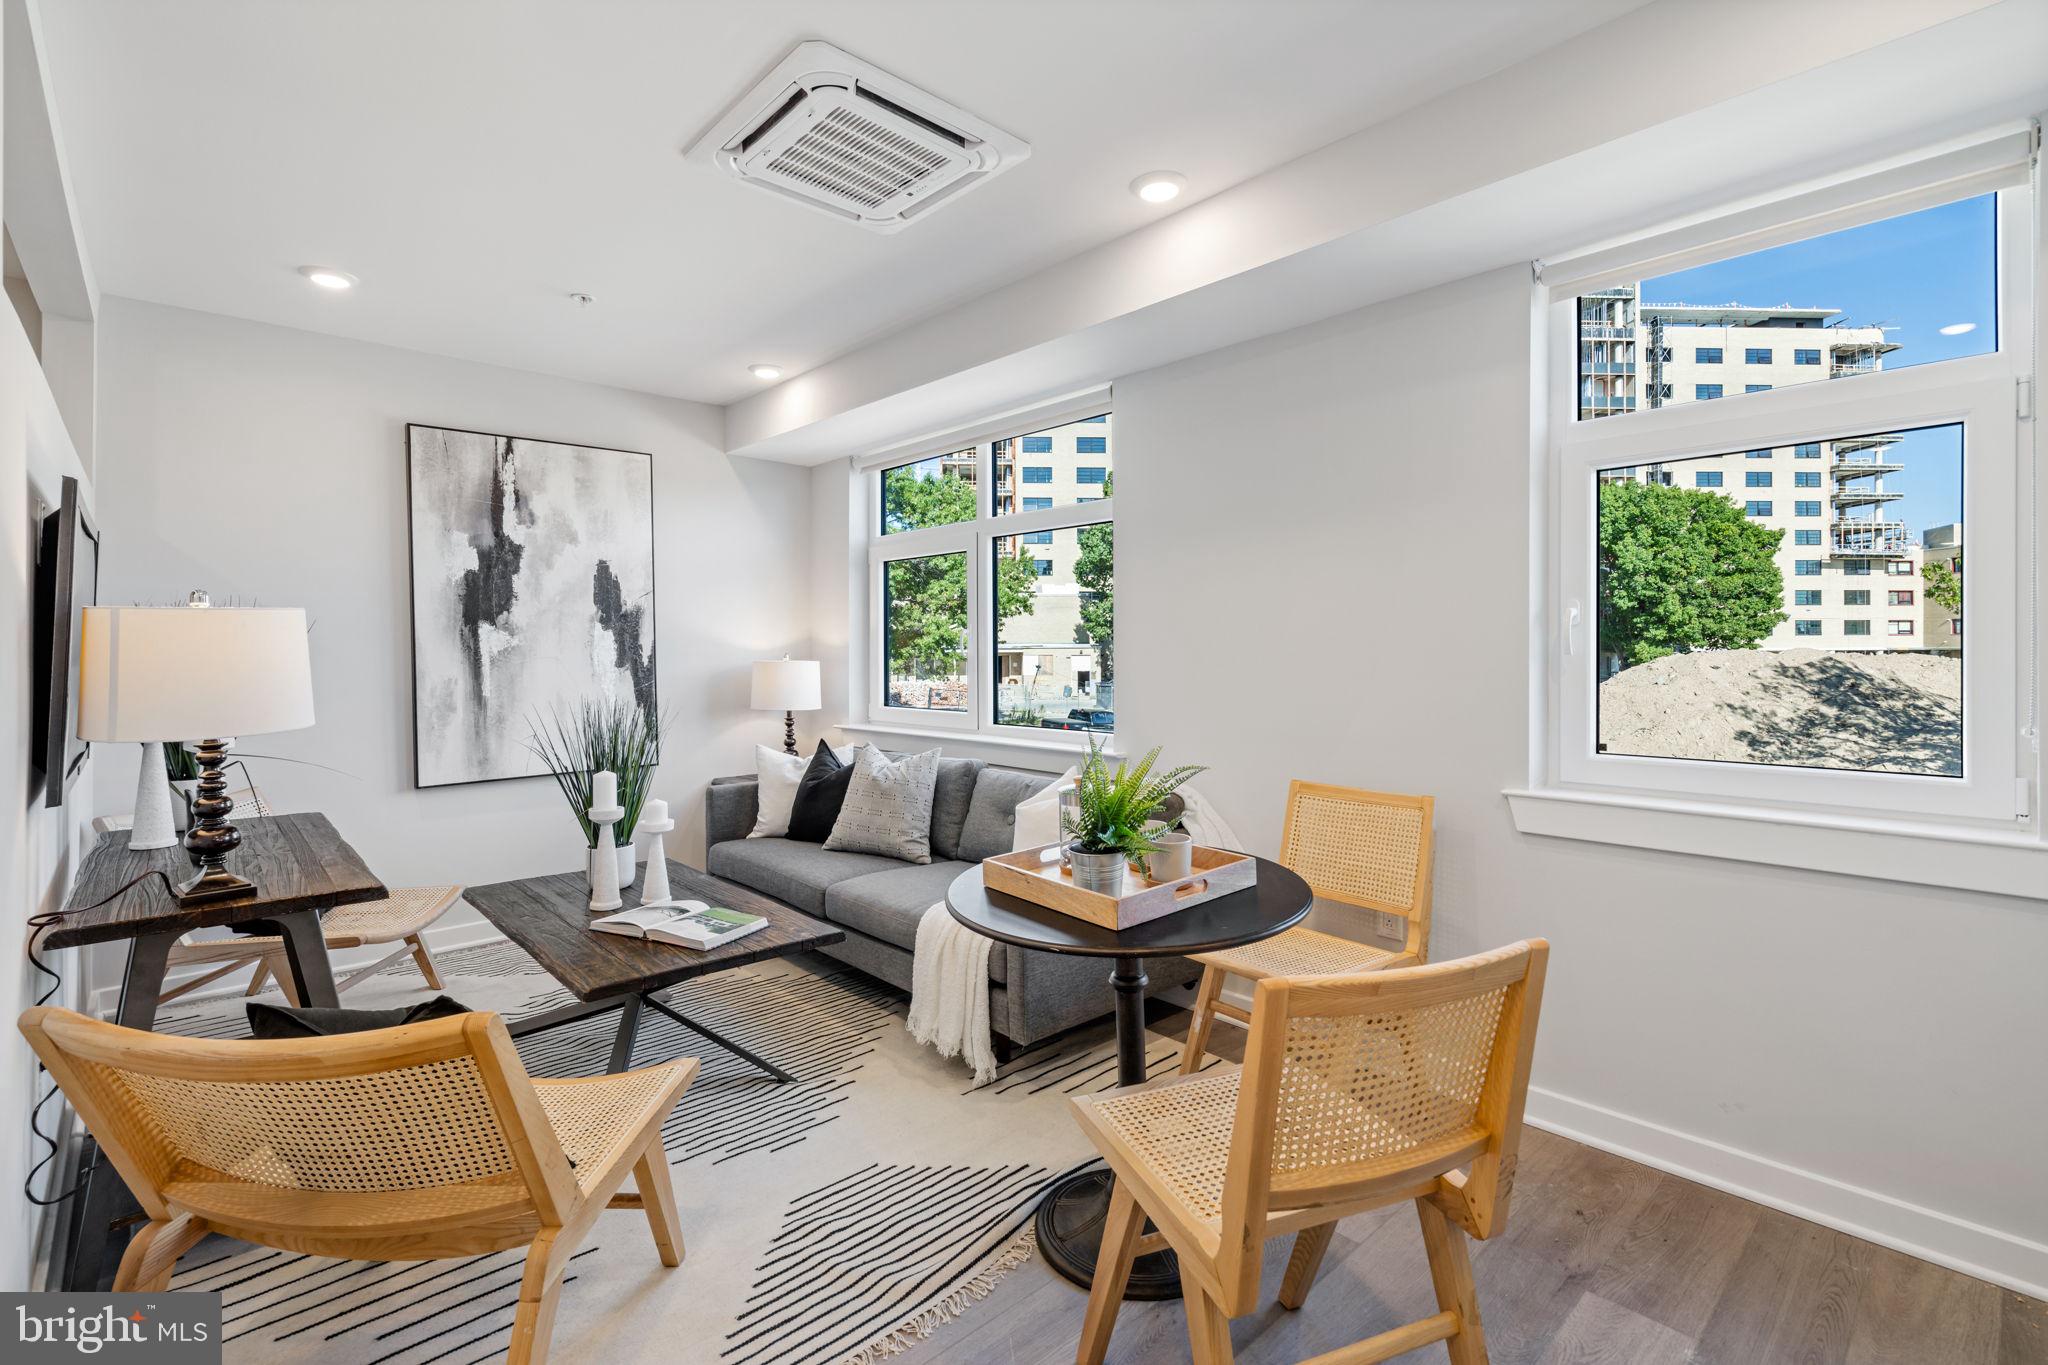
(1863, 1050)
(269, 465)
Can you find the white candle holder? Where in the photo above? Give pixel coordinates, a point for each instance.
(604, 859)
(654, 882)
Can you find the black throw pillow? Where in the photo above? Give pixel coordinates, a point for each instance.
(271, 1022)
(820, 792)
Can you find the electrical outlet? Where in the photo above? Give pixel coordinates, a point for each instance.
(1391, 926)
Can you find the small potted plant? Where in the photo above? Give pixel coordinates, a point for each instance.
(600, 736)
(1106, 829)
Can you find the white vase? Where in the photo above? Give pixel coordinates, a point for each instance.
(183, 790)
(151, 826)
(626, 862)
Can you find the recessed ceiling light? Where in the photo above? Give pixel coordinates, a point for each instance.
(765, 371)
(1956, 329)
(1156, 187)
(327, 277)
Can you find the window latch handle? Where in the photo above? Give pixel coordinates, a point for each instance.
(1571, 629)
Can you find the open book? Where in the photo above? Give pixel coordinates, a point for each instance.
(691, 924)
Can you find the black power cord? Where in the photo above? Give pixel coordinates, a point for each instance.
(37, 924)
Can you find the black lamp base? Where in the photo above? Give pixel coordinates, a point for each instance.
(211, 838)
(789, 733)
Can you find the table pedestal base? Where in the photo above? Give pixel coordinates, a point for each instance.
(1070, 1235)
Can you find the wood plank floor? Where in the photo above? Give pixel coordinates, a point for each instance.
(1603, 1261)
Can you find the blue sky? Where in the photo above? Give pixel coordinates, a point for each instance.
(1912, 275)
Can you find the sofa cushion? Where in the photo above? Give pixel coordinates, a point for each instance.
(888, 905)
(888, 807)
(790, 870)
(992, 814)
(950, 797)
(819, 795)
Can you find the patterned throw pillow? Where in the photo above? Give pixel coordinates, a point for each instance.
(888, 807)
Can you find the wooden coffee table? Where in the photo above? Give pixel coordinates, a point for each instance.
(550, 918)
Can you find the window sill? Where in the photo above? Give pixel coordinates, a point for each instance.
(1066, 748)
(2008, 864)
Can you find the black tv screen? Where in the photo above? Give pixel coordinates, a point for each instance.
(67, 581)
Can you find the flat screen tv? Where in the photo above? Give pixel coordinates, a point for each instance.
(67, 581)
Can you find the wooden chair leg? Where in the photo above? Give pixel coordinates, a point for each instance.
(540, 1290)
(153, 1254)
(1450, 1270)
(1199, 1020)
(1303, 1262)
(425, 960)
(259, 976)
(1121, 1229)
(1208, 1328)
(285, 981)
(186, 987)
(658, 1197)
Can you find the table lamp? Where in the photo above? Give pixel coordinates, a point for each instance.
(789, 686)
(170, 673)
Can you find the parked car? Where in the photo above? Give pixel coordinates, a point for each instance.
(1080, 718)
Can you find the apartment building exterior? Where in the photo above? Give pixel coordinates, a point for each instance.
(1851, 573)
(1942, 628)
(1045, 664)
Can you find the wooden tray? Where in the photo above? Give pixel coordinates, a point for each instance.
(1035, 875)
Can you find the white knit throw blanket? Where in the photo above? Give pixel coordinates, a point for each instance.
(949, 991)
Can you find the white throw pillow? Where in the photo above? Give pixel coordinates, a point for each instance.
(1038, 817)
(778, 774)
(888, 807)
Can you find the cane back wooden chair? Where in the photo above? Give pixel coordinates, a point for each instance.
(1369, 849)
(1356, 1092)
(411, 1143)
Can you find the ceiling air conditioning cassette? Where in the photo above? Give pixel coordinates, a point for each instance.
(830, 131)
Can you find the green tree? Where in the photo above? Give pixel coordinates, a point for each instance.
(1095, 572)
(1683, 569)
(1945, 586)
(927, 615)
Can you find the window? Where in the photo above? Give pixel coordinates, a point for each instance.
(1757, 478)
(1856, 597)
(1756, 509)
(1803, 356)
(933, 492)
(1856, 567)
(1706, 355)
(1756, 388)
(1756, 454)
(1899, 597)
(1809, 451)
(1806, 538)
(1706, 391)
(1806, 568)
(1802, 508)
(1806, 478)
(1756, 355)
(1806, 627)
(1855, 627)
(1806, 597)
(1707, 478)
(1899, 627)
(994, 614)
(1899, 567)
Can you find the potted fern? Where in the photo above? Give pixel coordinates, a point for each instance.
(610, 735)
(1106, 829)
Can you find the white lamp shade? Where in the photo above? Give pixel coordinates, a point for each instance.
(189, 673)
(786, 685)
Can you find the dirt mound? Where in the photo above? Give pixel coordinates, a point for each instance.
(1889, 712)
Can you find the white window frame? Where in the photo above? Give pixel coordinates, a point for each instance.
(1716, 808)
(976, 539)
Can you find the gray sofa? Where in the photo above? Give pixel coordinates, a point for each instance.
(878, 901)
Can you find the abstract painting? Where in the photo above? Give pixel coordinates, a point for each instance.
(532, 588)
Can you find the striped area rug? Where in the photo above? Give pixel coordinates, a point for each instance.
(833, 1219)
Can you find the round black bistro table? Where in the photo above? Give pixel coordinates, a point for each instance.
(1071, 1215)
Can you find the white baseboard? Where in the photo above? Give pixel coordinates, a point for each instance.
(2003, 1258)
(440, 938)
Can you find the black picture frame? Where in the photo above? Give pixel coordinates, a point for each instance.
(67, 581)
(413, 586)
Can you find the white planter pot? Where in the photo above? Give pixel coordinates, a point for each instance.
(626, 861)
(1175, 857)
(182, 792)
(1102, 873)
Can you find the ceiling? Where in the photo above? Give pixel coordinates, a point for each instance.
(475, 162)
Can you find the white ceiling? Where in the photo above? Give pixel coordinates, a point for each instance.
(476, 161)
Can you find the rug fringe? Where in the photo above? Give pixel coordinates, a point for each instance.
(918, 1326)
